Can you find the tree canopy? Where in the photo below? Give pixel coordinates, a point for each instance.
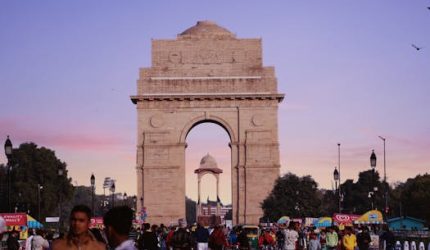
(412, 198)
(293, 196)
(36, 167)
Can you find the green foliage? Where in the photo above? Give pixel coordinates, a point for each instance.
(357, 197)
(190, 207)
(412, 198)
(32, 166)
(292, 196)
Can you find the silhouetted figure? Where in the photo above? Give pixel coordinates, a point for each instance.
(242, 239)
(12, 241)
(118, 222)
(149, 237)
(181, 239)
(363, 239)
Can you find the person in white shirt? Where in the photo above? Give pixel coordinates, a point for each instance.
(291, 237)
(118, 222)
(29, 239)
(38, 242)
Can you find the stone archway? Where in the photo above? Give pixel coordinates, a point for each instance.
(206, 75)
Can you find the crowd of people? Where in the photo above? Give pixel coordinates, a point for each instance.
(119, 234)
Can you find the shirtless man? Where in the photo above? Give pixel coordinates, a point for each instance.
(79, 236)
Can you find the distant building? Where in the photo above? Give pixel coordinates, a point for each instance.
(210, 208)
(405, 223)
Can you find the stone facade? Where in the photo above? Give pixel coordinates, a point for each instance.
(206, 74)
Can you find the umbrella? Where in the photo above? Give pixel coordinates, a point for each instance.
(32, 223)
(284, 220)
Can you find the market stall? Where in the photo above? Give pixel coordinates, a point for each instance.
(370, 217)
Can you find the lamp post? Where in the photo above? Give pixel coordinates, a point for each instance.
(124, 198)
(338, 165)
(60, 178)
(385, 180)
(112, 189)
(93, 184)
(373, 166)
(134, 202)
(336, 180)
(8, 153)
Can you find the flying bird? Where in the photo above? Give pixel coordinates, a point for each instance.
(416, 47)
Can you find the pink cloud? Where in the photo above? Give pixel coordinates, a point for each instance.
(81, 137)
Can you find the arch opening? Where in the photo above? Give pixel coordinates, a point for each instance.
(202, 138)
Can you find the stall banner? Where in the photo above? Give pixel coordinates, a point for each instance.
(323, 222)
(310, 221)
(15, 219)
(345, 219)
(371, 217)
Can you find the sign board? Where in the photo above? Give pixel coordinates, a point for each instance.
(15, 219)
(345, 219)
(96, 222)
(52, 219)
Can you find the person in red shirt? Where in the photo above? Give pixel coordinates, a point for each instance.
(266, 239)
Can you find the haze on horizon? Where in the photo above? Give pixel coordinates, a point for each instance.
(348, 69)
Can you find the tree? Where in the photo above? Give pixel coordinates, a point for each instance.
(329, 202)
(190, 208)
(358, 197)
(412, 198)
(293, 196)
(34, 168)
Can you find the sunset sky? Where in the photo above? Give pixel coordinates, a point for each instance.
(347, 68)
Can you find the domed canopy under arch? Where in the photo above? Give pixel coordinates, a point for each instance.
(208, 164)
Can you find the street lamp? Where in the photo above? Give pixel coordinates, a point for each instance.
(336, 180)
(8, 152)
(112, 189)
(373, 166)
(93, 184)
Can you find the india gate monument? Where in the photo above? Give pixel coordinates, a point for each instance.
(206, 74)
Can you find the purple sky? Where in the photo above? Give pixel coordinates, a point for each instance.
(349, 72)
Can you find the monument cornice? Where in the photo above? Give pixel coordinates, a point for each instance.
(206, 97)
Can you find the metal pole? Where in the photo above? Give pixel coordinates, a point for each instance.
(8, 187)
(338, 197)
(38, 202)
(385, 178)
(92, 199)
(113, 200)
(338, 163)
(59, 213)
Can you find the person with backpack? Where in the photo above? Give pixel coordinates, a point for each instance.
(280, 239)
(232, 239)
(181, 238)
(201, 236)
(217, 239)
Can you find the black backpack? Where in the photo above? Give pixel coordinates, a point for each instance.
(280, 236)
